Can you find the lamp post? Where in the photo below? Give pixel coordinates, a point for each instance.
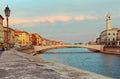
(7, 14)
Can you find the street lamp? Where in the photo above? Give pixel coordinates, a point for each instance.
(7, 14)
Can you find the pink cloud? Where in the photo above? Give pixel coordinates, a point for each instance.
(53, 19)
(19, 21)
(81, 18)
(50, 19)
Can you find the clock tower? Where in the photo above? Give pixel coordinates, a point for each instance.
(108, 22)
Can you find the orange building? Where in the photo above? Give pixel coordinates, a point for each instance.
(35, 39)
(1, 29)
(54, 43)
(61, 43)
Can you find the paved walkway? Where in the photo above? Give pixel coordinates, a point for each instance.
(1, 52)
(16, 65)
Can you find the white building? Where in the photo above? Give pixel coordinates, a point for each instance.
(108, 37)
(118, 38)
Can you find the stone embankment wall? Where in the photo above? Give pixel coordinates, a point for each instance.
(112, 50)
(27, 50)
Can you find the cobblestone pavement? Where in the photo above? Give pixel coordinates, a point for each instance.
(17, 65)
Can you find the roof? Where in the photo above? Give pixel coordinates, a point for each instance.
(110, 30)
(36, 34)
(1, 17)
(20, 31)
(118, 30)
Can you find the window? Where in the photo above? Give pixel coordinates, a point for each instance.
(113, 44)
(113, 39)
(108, 43)
(116, 33)
(113, 34)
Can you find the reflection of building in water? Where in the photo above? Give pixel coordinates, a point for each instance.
(108, 64)
(110, 36)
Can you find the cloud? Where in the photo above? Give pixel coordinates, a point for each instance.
(19, 21)
(51, 19)
(81, 18)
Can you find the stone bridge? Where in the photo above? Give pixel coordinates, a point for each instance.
(39, 49)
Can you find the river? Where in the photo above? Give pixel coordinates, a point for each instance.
(104, 64)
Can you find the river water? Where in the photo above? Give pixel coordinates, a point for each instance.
(104, 64)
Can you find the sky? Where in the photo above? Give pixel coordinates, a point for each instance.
(62, 20)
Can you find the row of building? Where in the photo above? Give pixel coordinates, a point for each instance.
(110, 36)
(21, 38)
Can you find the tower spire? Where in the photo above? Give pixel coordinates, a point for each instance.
(108, 22)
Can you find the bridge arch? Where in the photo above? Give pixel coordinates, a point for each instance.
(39, 49)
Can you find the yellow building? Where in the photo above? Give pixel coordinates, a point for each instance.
(23, 38)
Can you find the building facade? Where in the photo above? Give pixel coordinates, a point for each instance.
(23, 38)
(1, 30)
(118, 38)
(11, 36)
(109, 36)
(46, 42)
(36, 39)
(16, 40)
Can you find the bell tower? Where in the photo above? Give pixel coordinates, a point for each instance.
(108, 22)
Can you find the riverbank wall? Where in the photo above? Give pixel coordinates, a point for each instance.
(112, 50)
(18, 65)
(108, 50)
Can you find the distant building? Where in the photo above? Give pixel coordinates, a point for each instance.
(1, 29)
(23, 38)
(33, 39)
(36, 39)
(46, 42)
(54, 42)
(61, 43)
(92, 42)
(109, 36)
